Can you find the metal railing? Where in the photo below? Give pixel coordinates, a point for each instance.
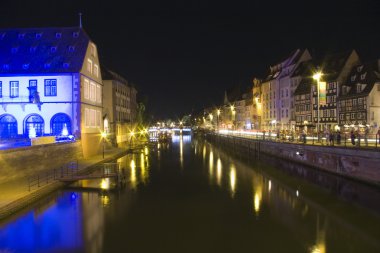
(68, 170)
(334, 139)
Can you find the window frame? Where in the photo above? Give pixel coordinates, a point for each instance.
(52, 87)
(14, 91)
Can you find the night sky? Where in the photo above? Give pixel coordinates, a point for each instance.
(182, 55)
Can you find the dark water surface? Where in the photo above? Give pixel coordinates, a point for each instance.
(189, 196)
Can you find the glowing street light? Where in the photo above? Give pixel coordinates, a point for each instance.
(104, 136)
(317, 76)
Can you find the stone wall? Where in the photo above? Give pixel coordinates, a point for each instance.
(360, 164)
(22, 162)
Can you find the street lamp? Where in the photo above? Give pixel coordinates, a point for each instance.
(217, 118)
(104, 136)
(233, 115)
(317, 76)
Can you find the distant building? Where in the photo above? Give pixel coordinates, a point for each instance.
(277, 92)
(120, 107)
(359, 98)
(335, 69)
(257, 104)
(50, 80)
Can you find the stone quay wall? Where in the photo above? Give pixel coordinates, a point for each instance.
(360, 164)
(27, 161)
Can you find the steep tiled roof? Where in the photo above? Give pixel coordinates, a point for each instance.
(363, 74)
(332, 65)
(42, 50)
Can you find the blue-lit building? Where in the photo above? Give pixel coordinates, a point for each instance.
(50, 81)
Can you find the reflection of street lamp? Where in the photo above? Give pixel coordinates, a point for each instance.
(317, 76)
(211, 117)
(104, 136)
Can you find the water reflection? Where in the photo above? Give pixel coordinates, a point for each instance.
(232, 179)
(219, 172)
(165, 209)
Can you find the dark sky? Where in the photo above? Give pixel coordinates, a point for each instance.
(182, 55)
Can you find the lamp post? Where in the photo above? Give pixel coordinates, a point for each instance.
(233, 116)
(104, 136)
(217, 118)
(317, 76)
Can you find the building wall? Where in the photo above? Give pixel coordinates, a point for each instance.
(20, 107)
(91, 104)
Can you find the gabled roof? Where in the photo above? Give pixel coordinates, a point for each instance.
(277, 69)
(110, 75)
(365, 74)
(332, 64)
(305, 70)
(42, 50)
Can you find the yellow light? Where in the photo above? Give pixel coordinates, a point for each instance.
(317, 75)
(146, 150)
(105, 183)
(104, 134)
(132, 133)
(218, 111)
(232, 108)
(219, 171)
(257, 203)
(180, 122)
(233, 179)
(105, 200)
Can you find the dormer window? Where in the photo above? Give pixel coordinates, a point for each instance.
(25, 66)
(360, 87)
(58, 35)
(14, 50)
(75, 34)
(6, 66)
(32, 49)
(66, 65)
(47, 65)
(360, 68)
(362, 76)
(53, 49)
(38, 35)
(353, 78)
(21, 36)
(71, 48)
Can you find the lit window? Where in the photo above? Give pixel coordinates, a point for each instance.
(86, 88)
(1, 89)
(86, 117)
(89, 65)
(92, 92)
(58, 35)
(98, 94)
(96, 70)
(14, 87)
(50, 87)
(93, 50)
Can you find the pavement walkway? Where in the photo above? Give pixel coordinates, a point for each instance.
(16, 194)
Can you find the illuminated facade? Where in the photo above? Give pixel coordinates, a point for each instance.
(277, 92)
(359, 98)
(50, 83)
(120, 106)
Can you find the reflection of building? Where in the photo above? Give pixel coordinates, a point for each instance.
(359, 98)
(120, 107)
(50, 80)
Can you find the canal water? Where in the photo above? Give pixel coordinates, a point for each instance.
(190, 196)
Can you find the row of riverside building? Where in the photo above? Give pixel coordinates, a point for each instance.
(51, 81)
(287, 98)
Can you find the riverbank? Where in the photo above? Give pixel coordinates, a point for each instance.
(16, 195)
(358, 164)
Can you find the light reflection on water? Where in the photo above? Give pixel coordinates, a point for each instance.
(176, 194)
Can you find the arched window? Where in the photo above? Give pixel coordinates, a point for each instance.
(8, 126)
(34, 121)
(60, 122)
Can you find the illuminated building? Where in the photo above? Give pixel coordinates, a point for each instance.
(50, 80)
(120, 106)
(359, 98)
(277, 92)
